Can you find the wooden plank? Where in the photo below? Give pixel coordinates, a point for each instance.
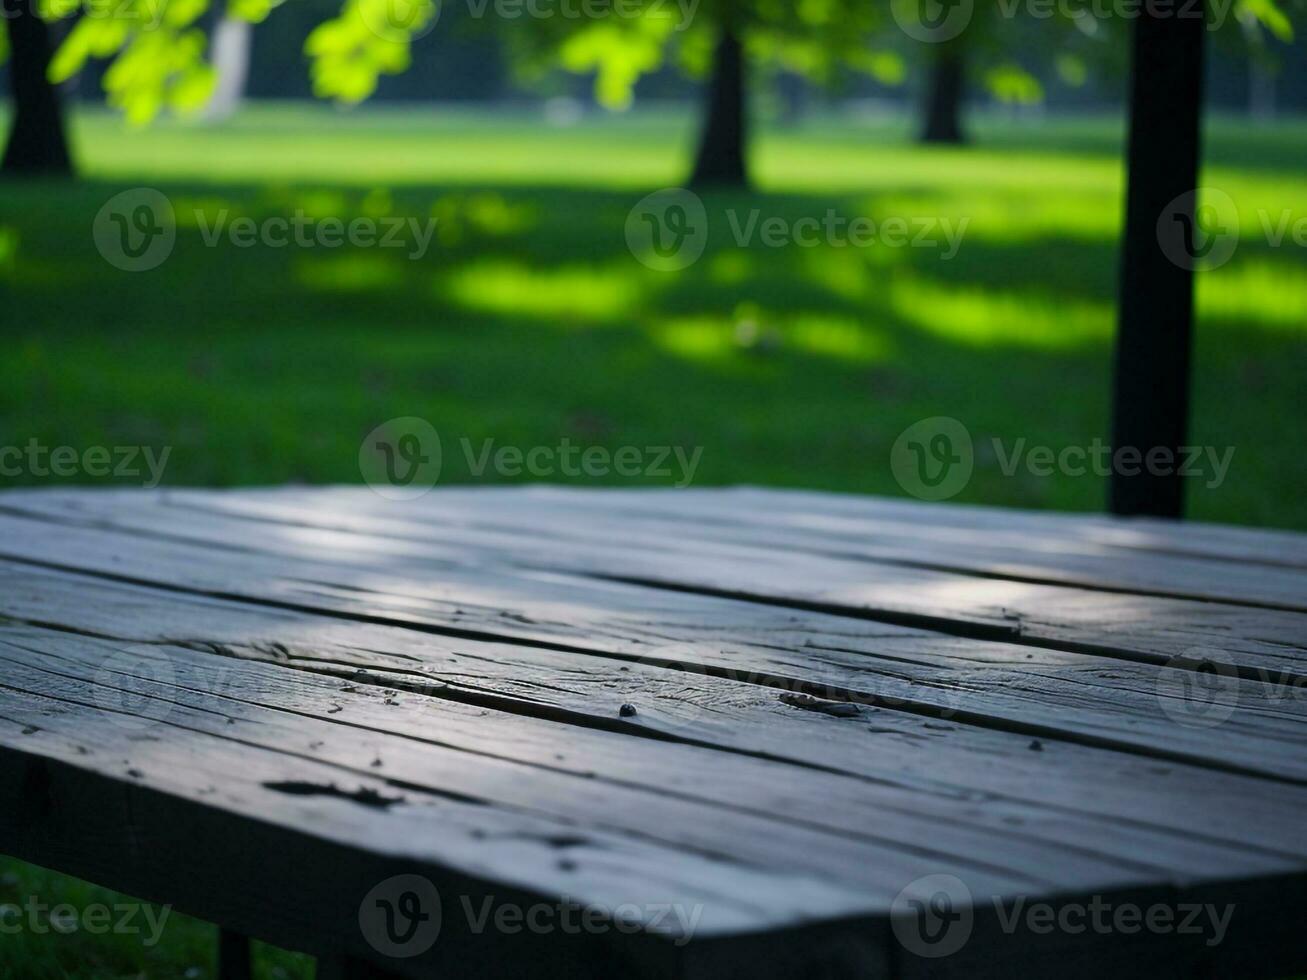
(957, 596)
(1030, 690)
(660, 522)
(1144, 628)
(1269, 644)
(864, 515)
(193, 732)
(1047, 784)
(187, 770)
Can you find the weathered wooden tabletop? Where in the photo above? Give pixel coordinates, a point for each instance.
(640, 733)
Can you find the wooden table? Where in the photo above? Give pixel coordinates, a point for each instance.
(545, 732)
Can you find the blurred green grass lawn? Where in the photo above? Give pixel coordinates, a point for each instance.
(529, 321)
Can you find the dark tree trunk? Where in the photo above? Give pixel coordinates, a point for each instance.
(944, 91)
(36, 142)
(721, 158)
(1151, 398)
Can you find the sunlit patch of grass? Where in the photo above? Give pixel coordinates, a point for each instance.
(988, 318)
(1016, 216)
(842, 338)
(1255, 290)
(706, 339)
(566, 294)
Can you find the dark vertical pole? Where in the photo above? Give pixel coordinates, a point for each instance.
(1155, 323)
(721, 156)
(36, 142)
(233, 956)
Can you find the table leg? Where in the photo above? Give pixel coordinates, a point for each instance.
(233, 956)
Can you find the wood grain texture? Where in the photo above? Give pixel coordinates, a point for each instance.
(776, 709)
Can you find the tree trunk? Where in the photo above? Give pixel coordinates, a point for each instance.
(721, 158)
(37, 144)
(1151, 399)
(944, 91)
(231, 60)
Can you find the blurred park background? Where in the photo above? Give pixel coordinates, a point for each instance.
(529, 320)
(528, 139)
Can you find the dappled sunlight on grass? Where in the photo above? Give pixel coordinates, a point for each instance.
(703, 338)
(838, 337)
(1254, 290)
(984, 318)
(566, 293)
(750, 337)
(484, 213)
(1017, 216)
